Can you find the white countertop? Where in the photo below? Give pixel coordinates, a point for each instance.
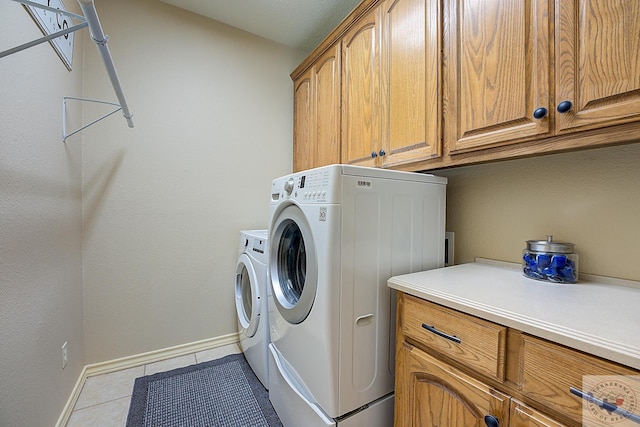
(598, 318)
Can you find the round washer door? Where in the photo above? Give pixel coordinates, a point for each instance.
(247, 296)
(293, 265)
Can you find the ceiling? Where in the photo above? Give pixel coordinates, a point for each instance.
(300, 24)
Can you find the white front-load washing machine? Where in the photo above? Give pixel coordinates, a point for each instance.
(337, 234)
(251, 294)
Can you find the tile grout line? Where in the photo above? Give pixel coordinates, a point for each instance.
(103, 403)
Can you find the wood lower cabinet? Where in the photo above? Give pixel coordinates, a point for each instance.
(525, 416)
(429, 393)
(446, 374)
(549, 372)
(474, 342)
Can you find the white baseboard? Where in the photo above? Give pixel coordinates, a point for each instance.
(73, 398)
(137, 360)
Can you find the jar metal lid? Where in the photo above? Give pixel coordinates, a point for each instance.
(550, 246)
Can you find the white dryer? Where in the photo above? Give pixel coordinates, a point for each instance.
(337, 233)
(251, 294)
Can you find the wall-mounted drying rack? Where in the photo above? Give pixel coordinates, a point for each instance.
(91, 20)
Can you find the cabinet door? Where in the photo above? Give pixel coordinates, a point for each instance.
(317, 113)
(598, 62)
(326, 91)
(429, 393)
(525, 416)
(497, 65)
(411, 85)
(361, 91)
(303, 146)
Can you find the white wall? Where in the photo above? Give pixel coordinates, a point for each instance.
(590, 198)
(164, 202)
(40, 227)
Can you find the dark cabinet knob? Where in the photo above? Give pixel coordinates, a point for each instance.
(564, 107)
(491, 421)
(382, 153)
(540, 113)
(374, 154)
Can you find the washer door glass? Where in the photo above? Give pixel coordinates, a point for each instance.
(247, 296)
(294, 272)
(292, 263)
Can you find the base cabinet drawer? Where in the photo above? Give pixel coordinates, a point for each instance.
(525, 416)
(550, 371)
(477, 343)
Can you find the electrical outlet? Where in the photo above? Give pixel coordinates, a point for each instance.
(64, 355)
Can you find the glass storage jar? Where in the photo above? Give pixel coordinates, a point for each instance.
(550, 261)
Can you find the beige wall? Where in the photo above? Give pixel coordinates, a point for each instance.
(590, 198)
(40, 227)
(164, 202)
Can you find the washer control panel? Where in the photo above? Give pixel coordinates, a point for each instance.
(312, 186)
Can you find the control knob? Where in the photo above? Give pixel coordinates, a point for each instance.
(288, 186)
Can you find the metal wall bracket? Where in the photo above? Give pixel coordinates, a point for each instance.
(90, 19)
(66, 135)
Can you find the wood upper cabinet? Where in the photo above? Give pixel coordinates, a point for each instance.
(327, 103)
(302, 122)
(391, 93)
(422, 84)
(430, 393)
(361, 91)
(497, 67)
(597, 62)
(317, 113)
(411, 89)
(513, 74)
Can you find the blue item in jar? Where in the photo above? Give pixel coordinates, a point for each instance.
(568, 272)
(529, 259)
(543, 261)
(558, 261)
(553, 268)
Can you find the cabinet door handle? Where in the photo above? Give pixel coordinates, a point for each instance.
(564, 107)
(607, 406)
(453, 338)
(491, 421)
(382, 153)
(540, 113)
(374, 154)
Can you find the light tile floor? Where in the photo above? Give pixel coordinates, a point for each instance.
(104, 399)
